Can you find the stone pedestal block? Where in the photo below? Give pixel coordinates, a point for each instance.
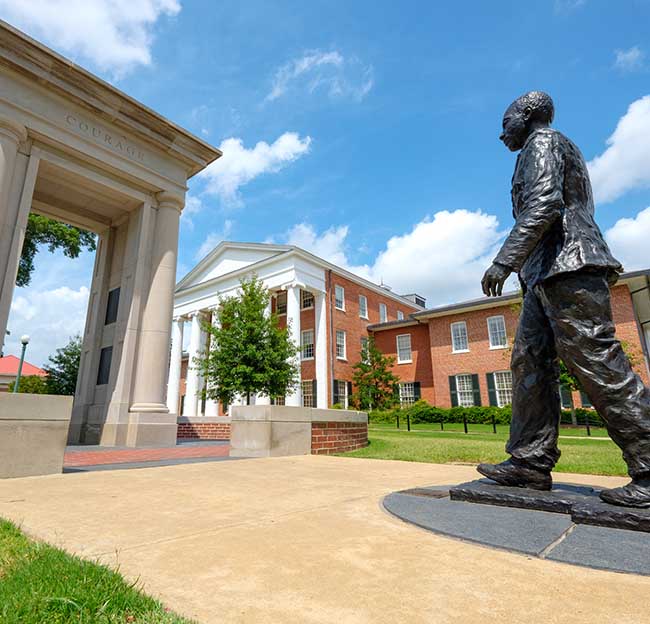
(33, 433)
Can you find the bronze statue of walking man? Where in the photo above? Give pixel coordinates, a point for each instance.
(565, 269)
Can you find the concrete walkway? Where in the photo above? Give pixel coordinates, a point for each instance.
(305, 540)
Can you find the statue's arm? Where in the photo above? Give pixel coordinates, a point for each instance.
(542, 199)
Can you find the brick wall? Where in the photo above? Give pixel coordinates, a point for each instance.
(203, 431)
(479, 360)
(354, 326)
(420, 368)
(337, 437)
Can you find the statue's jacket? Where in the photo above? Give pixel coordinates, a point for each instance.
(555, 231)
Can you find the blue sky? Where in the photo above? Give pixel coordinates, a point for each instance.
(363, 131)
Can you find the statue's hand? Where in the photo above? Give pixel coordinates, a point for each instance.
(494, 279)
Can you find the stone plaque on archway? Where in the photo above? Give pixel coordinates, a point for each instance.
(76, 149)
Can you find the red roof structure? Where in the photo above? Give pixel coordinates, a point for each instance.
(9, 366)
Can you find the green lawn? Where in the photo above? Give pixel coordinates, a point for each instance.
(40, 584)
(581, 431)
(582, 455)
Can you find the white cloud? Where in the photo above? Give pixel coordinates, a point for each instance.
(568, 6)
(115, 35)
(442, 258)
(628, 239)
(239, 165)
(629, 60)
(340, 77)
(623, 166)
(214, 238)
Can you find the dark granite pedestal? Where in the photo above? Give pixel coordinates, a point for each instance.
(580, 502)
(551, 525)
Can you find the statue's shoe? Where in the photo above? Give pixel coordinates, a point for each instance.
(516, 475)
(635, 494)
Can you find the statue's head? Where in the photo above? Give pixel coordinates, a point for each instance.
(528, 112)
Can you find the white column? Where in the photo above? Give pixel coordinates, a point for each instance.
(261, 399)
(174, 381)
(212, 405)
(200, 386)
(293, 321)
(192, 380)
(320, 303)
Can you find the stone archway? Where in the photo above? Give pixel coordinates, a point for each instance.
(76, 149)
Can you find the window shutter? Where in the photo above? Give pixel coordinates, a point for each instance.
(584, 400)
(416, 390)
(349, 393)
(336, 391)
(565, 395)
(314, 386)
(492, 391)
(452, 391)
(477, 390)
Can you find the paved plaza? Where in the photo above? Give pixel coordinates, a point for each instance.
(305, 539)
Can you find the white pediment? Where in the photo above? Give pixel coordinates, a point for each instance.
(226, 258)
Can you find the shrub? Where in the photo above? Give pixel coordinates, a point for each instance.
(423, 413)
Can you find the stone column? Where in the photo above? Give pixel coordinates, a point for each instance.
(320, 303)
(174, 382)
(192, 380)
(293, 321)
(153, 344)
(16, 188)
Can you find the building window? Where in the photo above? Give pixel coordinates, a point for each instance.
(281, 303)
(400, 315)
(465, 390)
(306, 299)
(383, 313)
(364, 349)
(339, 297)
(566, 397)
(363, 306)
(308, 394)
(584, 400)
(277, 400)
(111, 306)
(503, 387)
(404, 349)
(307, 344)
(105, 357)
(341, 392)
(408, 393)
(340, 344)
(497, 332)
(459, 342)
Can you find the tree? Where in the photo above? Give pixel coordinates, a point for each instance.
(44, 231)
(248, 353)
(377, 387)
(31, 384)
(63, 368)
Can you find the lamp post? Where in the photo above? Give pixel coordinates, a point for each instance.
(25, 341)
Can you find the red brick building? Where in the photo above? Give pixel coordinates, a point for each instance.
(460, 354)
(329, 310)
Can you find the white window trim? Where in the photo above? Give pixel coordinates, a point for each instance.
(313, 304)
(496, 347)
(410, 360)
(344, 357)
(302, 333)
(451, 329)
(342, 298)
(458, 391)
(496, 389)
(363, 316)
(276, 306)
(383, 306)
(400, 315)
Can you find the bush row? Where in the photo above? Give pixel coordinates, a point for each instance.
(421, 412)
